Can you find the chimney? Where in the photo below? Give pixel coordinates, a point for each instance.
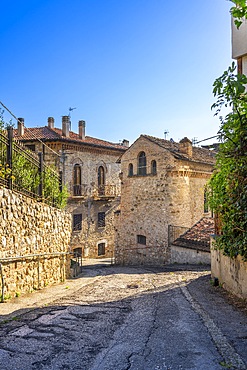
(51, 122)
(81, 127)
(20, 126)
(125, 143)
(185, 146)
(65, 126)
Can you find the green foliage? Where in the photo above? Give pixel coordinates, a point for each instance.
(25, 173)
(239, 11)
(228, 185)
(53, 193)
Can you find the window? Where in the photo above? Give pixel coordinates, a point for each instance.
(142, 169)
(101, 219)
(77, 222)
(77, 180)
(141, 239)
(205, 201)
(101, 249)
(101, 180)
(153, 168)
(130, 169)
(31, 147)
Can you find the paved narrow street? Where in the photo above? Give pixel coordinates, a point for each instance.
(120, 318)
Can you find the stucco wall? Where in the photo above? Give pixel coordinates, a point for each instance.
(34, 242)
(231, 272)
(190, 256)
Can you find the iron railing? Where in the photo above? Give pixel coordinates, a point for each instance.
(96, 191)
(175, 232)
(24, 171)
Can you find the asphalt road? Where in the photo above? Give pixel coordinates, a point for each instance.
(120, 318)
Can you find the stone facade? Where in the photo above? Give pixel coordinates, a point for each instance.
(163, 183)
(90, 169)
(34, 244)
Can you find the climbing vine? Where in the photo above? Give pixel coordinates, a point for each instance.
(228, 185)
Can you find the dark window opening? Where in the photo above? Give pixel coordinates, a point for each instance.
(77, 252)
(142, 164)
(141, 239)
(153, 168)
(77, 222)
(101, 219)
(77, 180)
(101, 249)
(31, 147)
(131, 169)
(205, 201)
(101, 180)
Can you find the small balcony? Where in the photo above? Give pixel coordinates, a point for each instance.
(104, 191)
(86, 191)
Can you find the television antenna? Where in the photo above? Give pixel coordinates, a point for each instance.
(70, 110)
(166, 132)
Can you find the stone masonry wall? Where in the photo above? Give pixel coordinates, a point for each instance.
(34, 243)
(88, 205)
(174, 195)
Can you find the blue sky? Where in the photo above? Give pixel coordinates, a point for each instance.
(130, 67)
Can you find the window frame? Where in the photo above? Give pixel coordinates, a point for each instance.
(142, 164)
(101, 219)
(103, 246)
(77, 224)
(141, 239)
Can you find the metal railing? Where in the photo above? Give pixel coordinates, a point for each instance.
(96, 191)
(175, 232)
(26, 172)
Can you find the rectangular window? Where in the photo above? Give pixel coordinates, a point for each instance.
(30, 147)
(101, 219)
(101, 249)
(141, 239)
(77, 222)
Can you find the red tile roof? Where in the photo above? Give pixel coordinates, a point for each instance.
(48, 134)
(198, 236)
(198, 154)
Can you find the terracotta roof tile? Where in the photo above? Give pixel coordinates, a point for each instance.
(47, 134)
(198, 154)
(198, 236)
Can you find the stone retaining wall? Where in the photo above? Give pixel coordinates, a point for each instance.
(34, 243)
(231, 272)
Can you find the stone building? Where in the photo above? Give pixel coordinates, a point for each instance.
(163, 183)
(90, 168)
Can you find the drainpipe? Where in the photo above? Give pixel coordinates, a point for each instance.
(2, 279)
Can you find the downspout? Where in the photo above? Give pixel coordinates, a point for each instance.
(2, 280)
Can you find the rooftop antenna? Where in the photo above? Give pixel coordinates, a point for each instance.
(166, 132)
(70, 110)
(194, 141)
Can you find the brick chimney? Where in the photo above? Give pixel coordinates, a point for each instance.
(125, 143)
(81, 127)
(65, 126)
(50, 122)
(185, 146)
(20, 126)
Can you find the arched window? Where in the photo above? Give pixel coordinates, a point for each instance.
(153, 167)
(101, 180)
(142, 164)
(130, 169)
(77, 180)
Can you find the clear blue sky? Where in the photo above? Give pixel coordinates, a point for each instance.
(130, 67)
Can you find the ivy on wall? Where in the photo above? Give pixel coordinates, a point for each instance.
(228, 185)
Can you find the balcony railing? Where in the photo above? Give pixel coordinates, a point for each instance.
(95, 191)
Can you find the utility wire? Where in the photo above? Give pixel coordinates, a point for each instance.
(53, 151)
